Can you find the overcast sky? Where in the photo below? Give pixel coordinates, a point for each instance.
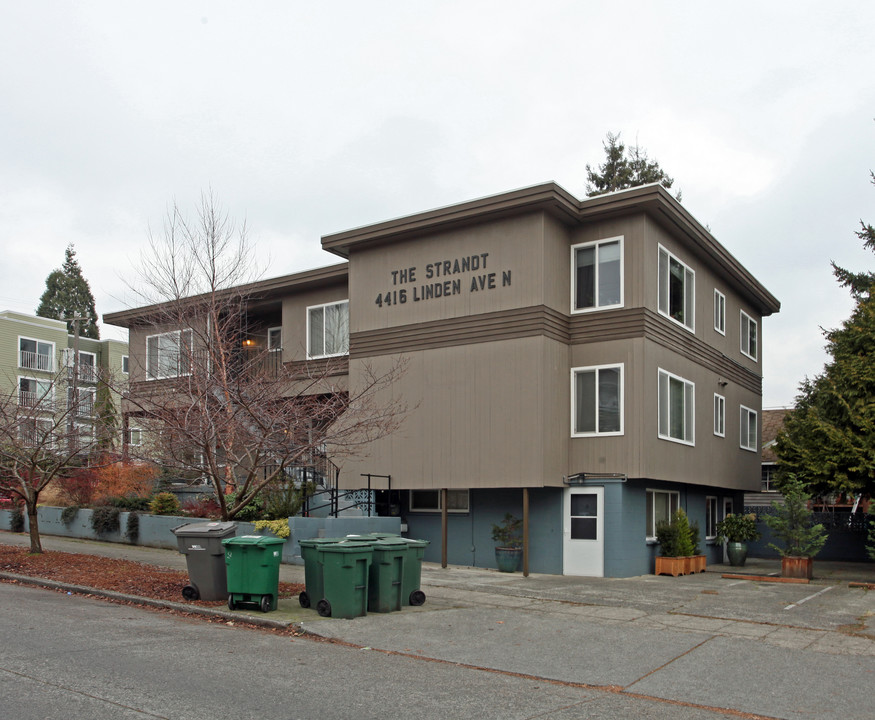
(311, 118)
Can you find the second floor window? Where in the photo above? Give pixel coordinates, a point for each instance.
(720, 312)
(168, 354)
(598, 400)
(34, 393)
(719, 415)
(676, 408)
(748, 438)
(597, 275)
(677, 289)
(275, 338)
(328, 329)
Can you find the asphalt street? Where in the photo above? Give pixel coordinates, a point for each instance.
(487, 644)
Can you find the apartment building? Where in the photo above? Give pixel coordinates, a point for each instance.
(37, 364)
(589, 365)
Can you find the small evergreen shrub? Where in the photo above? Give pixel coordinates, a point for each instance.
(138, 504)
(105, 520)
(280, 528)
(16, 521)
(165, 503)
(68, 514)
(132, 530)
(677, 538)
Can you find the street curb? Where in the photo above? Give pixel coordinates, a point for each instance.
(150, 602)
(765, 578)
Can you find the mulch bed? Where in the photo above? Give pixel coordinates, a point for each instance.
(123, 576)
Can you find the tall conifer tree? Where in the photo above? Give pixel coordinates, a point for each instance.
(622, 169)
(68, 294)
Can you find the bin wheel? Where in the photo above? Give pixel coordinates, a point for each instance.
(323, 607)
(304, 599)
(231, 604)
(417, 597)
(266, 603)
(190, 592)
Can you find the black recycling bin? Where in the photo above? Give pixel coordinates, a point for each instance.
(201, 543)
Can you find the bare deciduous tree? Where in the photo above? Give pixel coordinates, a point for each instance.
(46, 431)
(215, 405)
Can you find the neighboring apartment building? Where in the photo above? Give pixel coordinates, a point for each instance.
(589, 364)
(36, 357)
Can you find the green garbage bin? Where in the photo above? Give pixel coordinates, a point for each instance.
(313, 581)
(345, 567)
(201, 543)
(385, 572)
(410, 590)
(253, 565)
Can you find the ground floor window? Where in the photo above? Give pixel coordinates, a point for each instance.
(661, 504)
(710, 518)
(430, 501)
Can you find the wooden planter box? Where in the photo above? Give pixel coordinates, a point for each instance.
(797, 567)
(679, 565)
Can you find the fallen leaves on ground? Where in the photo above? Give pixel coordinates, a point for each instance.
(123, 576)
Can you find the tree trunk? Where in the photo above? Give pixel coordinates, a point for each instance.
(35, 546)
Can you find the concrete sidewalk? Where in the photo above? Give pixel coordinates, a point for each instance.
(771, 649)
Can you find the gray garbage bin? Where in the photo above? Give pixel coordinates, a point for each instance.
(201, 543)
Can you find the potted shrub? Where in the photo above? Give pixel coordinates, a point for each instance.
(737, 531)
(791, 523)
(508, 543)
(678, 546)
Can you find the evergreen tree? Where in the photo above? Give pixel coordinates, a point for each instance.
(68, 294)
(828, 439)
(622, 170)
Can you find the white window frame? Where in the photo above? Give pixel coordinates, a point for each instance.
(42, 401)
(48, 427)
(270, 346)
(459, 494)
(131, 433)
(51, 356)
(597, 245)
(575, 372)
(345, 351)
(745, 442)
(85, 375)
(126, 364)
(748, 324)
(83, 391)
(664, 396)
(711, 515)
(689, 289)
(719, 415)
(674, 502)
(719, 312)
(179, 353)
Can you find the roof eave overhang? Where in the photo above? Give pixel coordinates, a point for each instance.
(272, 288)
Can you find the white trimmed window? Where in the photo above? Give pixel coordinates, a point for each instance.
(748, 336)
(134, 437)
(677, 290)
(275, 338)
(710, 517)
(676, 408)
(36, 432)
(719, 415)
(125, 364)
(34, 393)
(719, 312)
(458, 501)
(748, 439)
(597, 408)
(597, 275)
(328, 329)
(36, 354)
(661, 505)
(87, 364)
(168, 354)
(84, 406)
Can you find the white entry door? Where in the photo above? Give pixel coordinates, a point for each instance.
(583, 531)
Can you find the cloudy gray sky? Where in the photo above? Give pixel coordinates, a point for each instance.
(310, 118)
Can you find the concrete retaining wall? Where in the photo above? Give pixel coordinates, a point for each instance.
(157, 530)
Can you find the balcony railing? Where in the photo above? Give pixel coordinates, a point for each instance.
(34, 399)
(35, 361)
(87, 373)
